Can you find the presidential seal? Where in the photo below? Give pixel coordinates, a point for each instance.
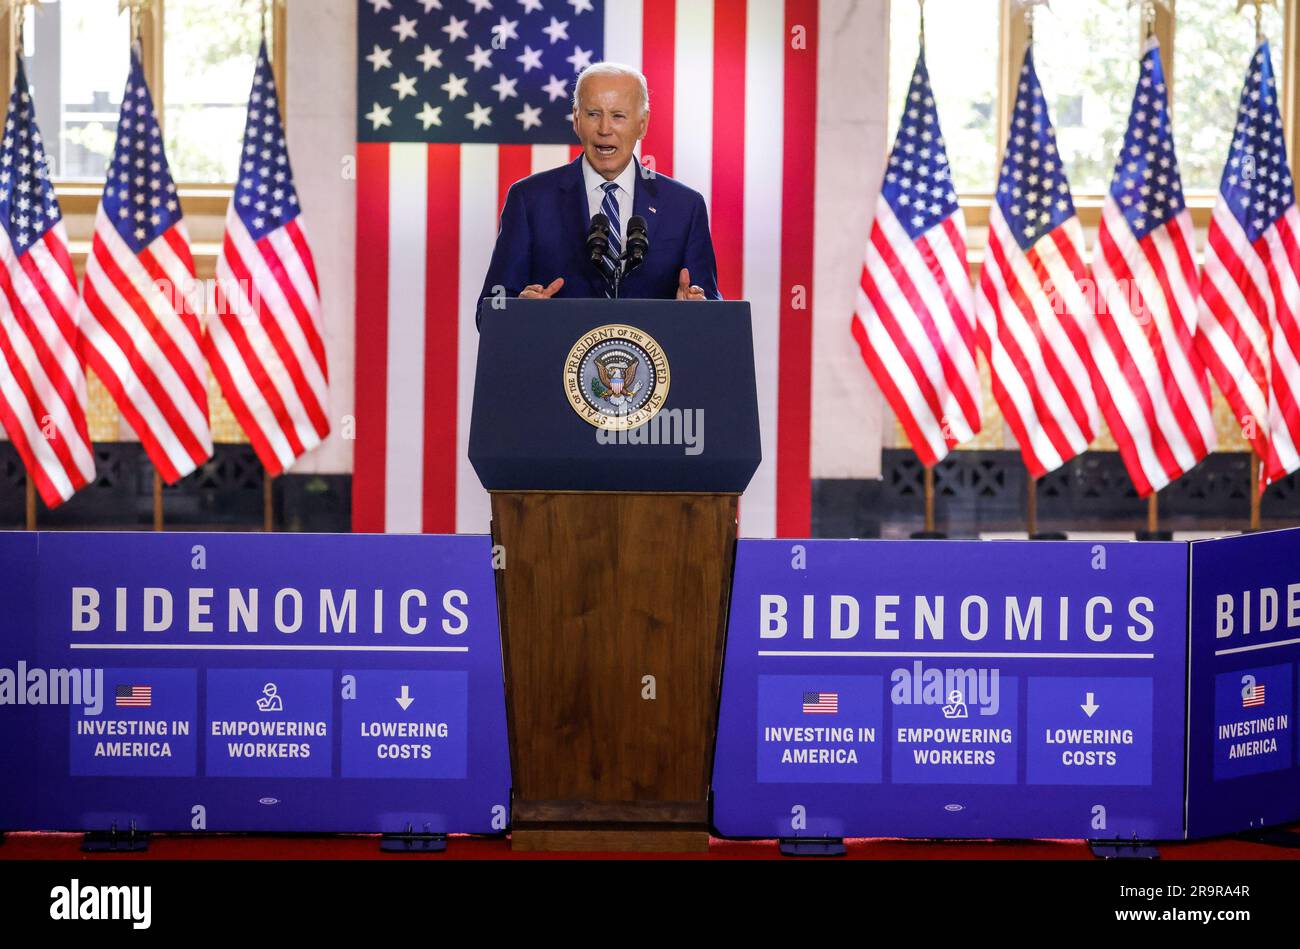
(616, 377)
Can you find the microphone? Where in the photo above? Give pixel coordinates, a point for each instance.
(638, 243)
(598, 239)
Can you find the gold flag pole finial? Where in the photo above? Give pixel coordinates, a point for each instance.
(137, 10)
(18, 12)
(1028, 7)
(1259, 15)
(264, 8)
(1149, 14)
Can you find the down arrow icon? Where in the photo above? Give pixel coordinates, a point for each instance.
(1090, 706)
(405, 698)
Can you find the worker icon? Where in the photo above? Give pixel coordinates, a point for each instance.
(270, 700)
(956, 707)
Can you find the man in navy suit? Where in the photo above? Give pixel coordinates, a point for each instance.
(541, 250)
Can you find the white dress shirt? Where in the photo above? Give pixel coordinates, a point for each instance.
(596, 194)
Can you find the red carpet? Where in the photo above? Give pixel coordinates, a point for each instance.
(364, 847)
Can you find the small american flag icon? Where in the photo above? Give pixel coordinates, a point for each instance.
(821, 703)
(1253, 697)
(134, 696)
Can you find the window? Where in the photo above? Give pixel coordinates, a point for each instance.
(962, 56)
(77, 58)
(1210, 58)
(209, 53)
(199, 57)
(1088, 96)
(1086, 53)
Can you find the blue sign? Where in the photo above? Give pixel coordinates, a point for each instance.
(232, 682)
(954, 689)
(386, 736)
(1245, 648)
(269, 723)
(1113, 744)
(843, 747)
(148, 726)
(18, 634)
(925, 689)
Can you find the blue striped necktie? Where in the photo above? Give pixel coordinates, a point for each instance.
(609, 208)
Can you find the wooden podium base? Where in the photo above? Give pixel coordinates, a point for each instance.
(613, 609)
(609, 838)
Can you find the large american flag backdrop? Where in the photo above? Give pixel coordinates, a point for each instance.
(457, 100)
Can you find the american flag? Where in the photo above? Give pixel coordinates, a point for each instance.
(1250, 295)
(264, 338)
(1253, 697)
(733, 89)
(821, 703)
(42, 383)
(139, 309)
(915, 319)
(486, 75)
(134, 696)
(1034, 318)
(1150, 380)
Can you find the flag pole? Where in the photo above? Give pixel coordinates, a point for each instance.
(1255, 492)
(1027, 7)
(268, 502)
(1031, 505)
(20, 14)
(157, 501)
(135, 11)
(268, 493)
(929, 472)
(1153, 531)
(18, 17)
(929, 500)
(1031, 499)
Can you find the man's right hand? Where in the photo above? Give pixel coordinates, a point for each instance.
(537, 292)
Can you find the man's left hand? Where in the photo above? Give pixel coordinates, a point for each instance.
(687, 290)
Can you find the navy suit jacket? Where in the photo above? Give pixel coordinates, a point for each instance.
(544, 235)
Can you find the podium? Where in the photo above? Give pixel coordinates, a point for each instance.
(615, 438)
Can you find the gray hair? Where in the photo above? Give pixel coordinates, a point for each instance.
(613, 69)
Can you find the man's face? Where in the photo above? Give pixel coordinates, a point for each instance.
(609, 121)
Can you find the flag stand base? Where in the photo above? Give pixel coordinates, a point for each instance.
(110, 841)
(1274, 837)
(1123, 850)
(1155, 535)
(1048, 535)
(812, 847)
(928, 535)
(411, 842)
